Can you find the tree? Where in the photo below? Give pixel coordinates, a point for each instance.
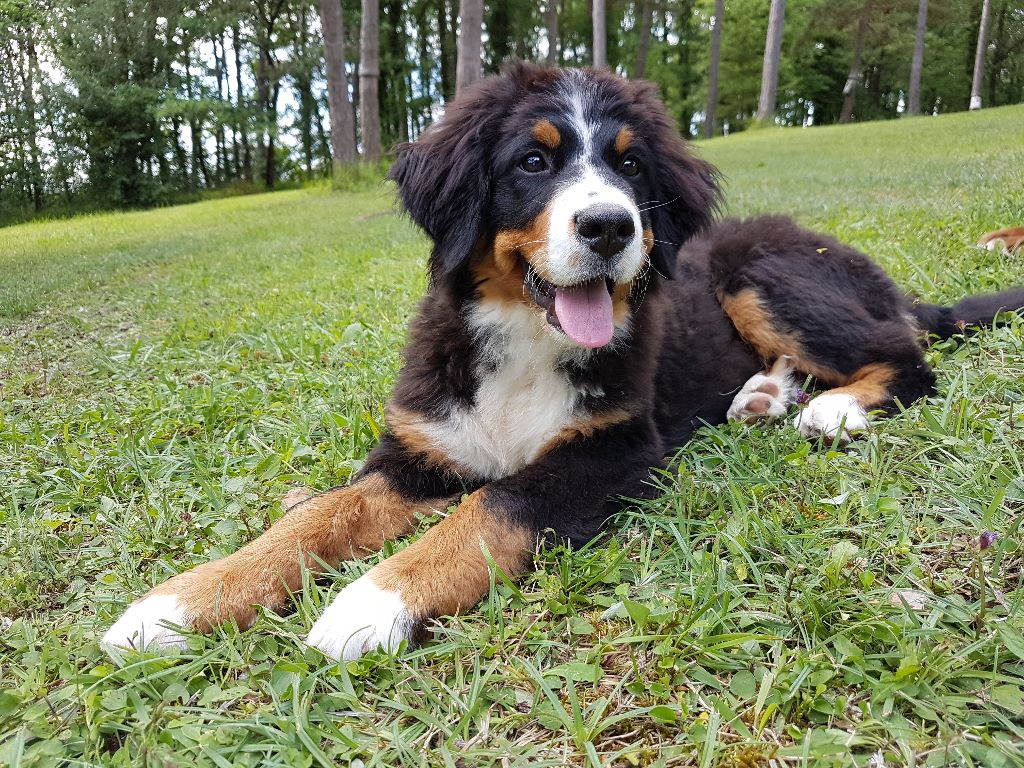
(599, 44)
(645, 9)
(770, 69)
(343, 135)
(979, 55)
(853, 81)
(369, 77)
(468, 66)
(552, 20)
(916, 64)
(716, 52)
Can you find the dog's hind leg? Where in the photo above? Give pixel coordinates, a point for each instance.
(867, 363)
(766, 395)
(342, 523)
(830, 309)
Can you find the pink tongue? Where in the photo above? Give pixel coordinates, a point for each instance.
(585, 313)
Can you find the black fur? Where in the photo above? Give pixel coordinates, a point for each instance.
(972, 312)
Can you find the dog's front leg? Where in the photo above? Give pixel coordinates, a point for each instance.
(342, 523)
(564, 493)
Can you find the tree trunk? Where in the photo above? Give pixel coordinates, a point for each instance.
(600, 39)
(230, 170)
(270, 165)
(398, 96)
(716, 55)
(343, 134)
(914, 91)
(1000, 51)
(302, 78)
(35, 169)
(196, 137)
(471, 19)
(853, 81)
(307, 108)
(241, 127)
(552, 14)
(979, 55)
(369, 78)
(179, 152)
(644, 42)
(446, 30)
(263, 154)
(770, 69)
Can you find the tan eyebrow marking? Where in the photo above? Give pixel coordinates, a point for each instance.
(623, 139)
(546, 133)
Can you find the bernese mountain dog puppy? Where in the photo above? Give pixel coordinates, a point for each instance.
(577, 328)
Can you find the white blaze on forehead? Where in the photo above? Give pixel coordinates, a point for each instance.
(576, 94)
(566, 251)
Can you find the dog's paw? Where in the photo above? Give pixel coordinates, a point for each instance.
(362, 618)
(831, 415)
(149, 623)
(765, 395)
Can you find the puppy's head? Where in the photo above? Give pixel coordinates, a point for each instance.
(557, 189)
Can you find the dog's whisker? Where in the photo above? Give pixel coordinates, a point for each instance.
(659, 205)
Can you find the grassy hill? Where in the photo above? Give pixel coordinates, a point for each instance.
(166, 376)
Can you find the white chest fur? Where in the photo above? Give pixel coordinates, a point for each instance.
(524, 399)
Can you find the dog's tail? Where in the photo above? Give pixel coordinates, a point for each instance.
(974, 310)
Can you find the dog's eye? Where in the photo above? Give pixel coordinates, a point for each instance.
(533, 163)
(630, 166)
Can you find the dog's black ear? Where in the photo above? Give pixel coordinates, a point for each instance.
(444, 177)
(686, 191)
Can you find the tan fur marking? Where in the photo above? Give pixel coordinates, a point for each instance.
(755, 325)
(869, 385)
(407, 426)
(445, 571)
(531, 242)
(620, 304)
(342, 523)
(1012, 238)
(546, 133)
(623, 139)
(648, 241)
(587, 427)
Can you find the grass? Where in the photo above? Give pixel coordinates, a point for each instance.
(167, 376)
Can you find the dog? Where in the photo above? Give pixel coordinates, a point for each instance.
(565, 345)
(1010, 240)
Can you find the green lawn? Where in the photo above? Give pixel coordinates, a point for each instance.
(165, 377)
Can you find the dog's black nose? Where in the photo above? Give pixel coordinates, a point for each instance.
(605, 227)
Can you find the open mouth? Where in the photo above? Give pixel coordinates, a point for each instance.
(583, 312)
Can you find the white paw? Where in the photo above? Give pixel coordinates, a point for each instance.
(362, 618)
(827, 414)
(146, 623)
(765, 395)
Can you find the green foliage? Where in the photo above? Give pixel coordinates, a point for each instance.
(138, 103)
(167, 375)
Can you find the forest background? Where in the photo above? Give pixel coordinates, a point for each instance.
(134, 103)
